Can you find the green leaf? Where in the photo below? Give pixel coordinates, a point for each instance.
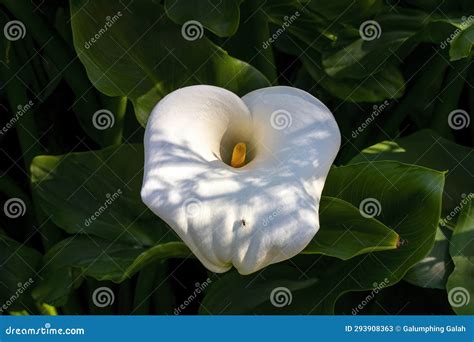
(376, 87)
(234, 294)
(433, 271)
(460, 285)
(302, 28)
(418, 103)
(108, 260)
(345, 233)
(141, 54)
(455, 33)
(218, 16)
(346, 10)
(142, 301)
(98, 193)
(461, 45)
(448, 102)
(71, 260)
(18, 265)
(322, 280)
(429, 5)
(247, 43)
(427, 148)
(65, 62)
(390, 34)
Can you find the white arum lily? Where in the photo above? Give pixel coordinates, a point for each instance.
(239, 179)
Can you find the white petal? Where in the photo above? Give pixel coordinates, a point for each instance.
(251, 217)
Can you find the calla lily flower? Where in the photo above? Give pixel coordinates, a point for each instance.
(239, 179)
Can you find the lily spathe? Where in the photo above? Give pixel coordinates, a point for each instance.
(239, 179)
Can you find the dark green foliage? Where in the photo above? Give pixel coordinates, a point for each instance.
(396, 74)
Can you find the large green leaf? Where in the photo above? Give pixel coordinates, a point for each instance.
(98, 193)
(236, 294)
(461, 45)
(69, 261)
(218, 16)
(427, 148)
(377, 45)
(375, 87)
(322, 280)
(345, 233)
(18, 266)
(453, 32)
(433, 271)
(141, 54)
(460, 284)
